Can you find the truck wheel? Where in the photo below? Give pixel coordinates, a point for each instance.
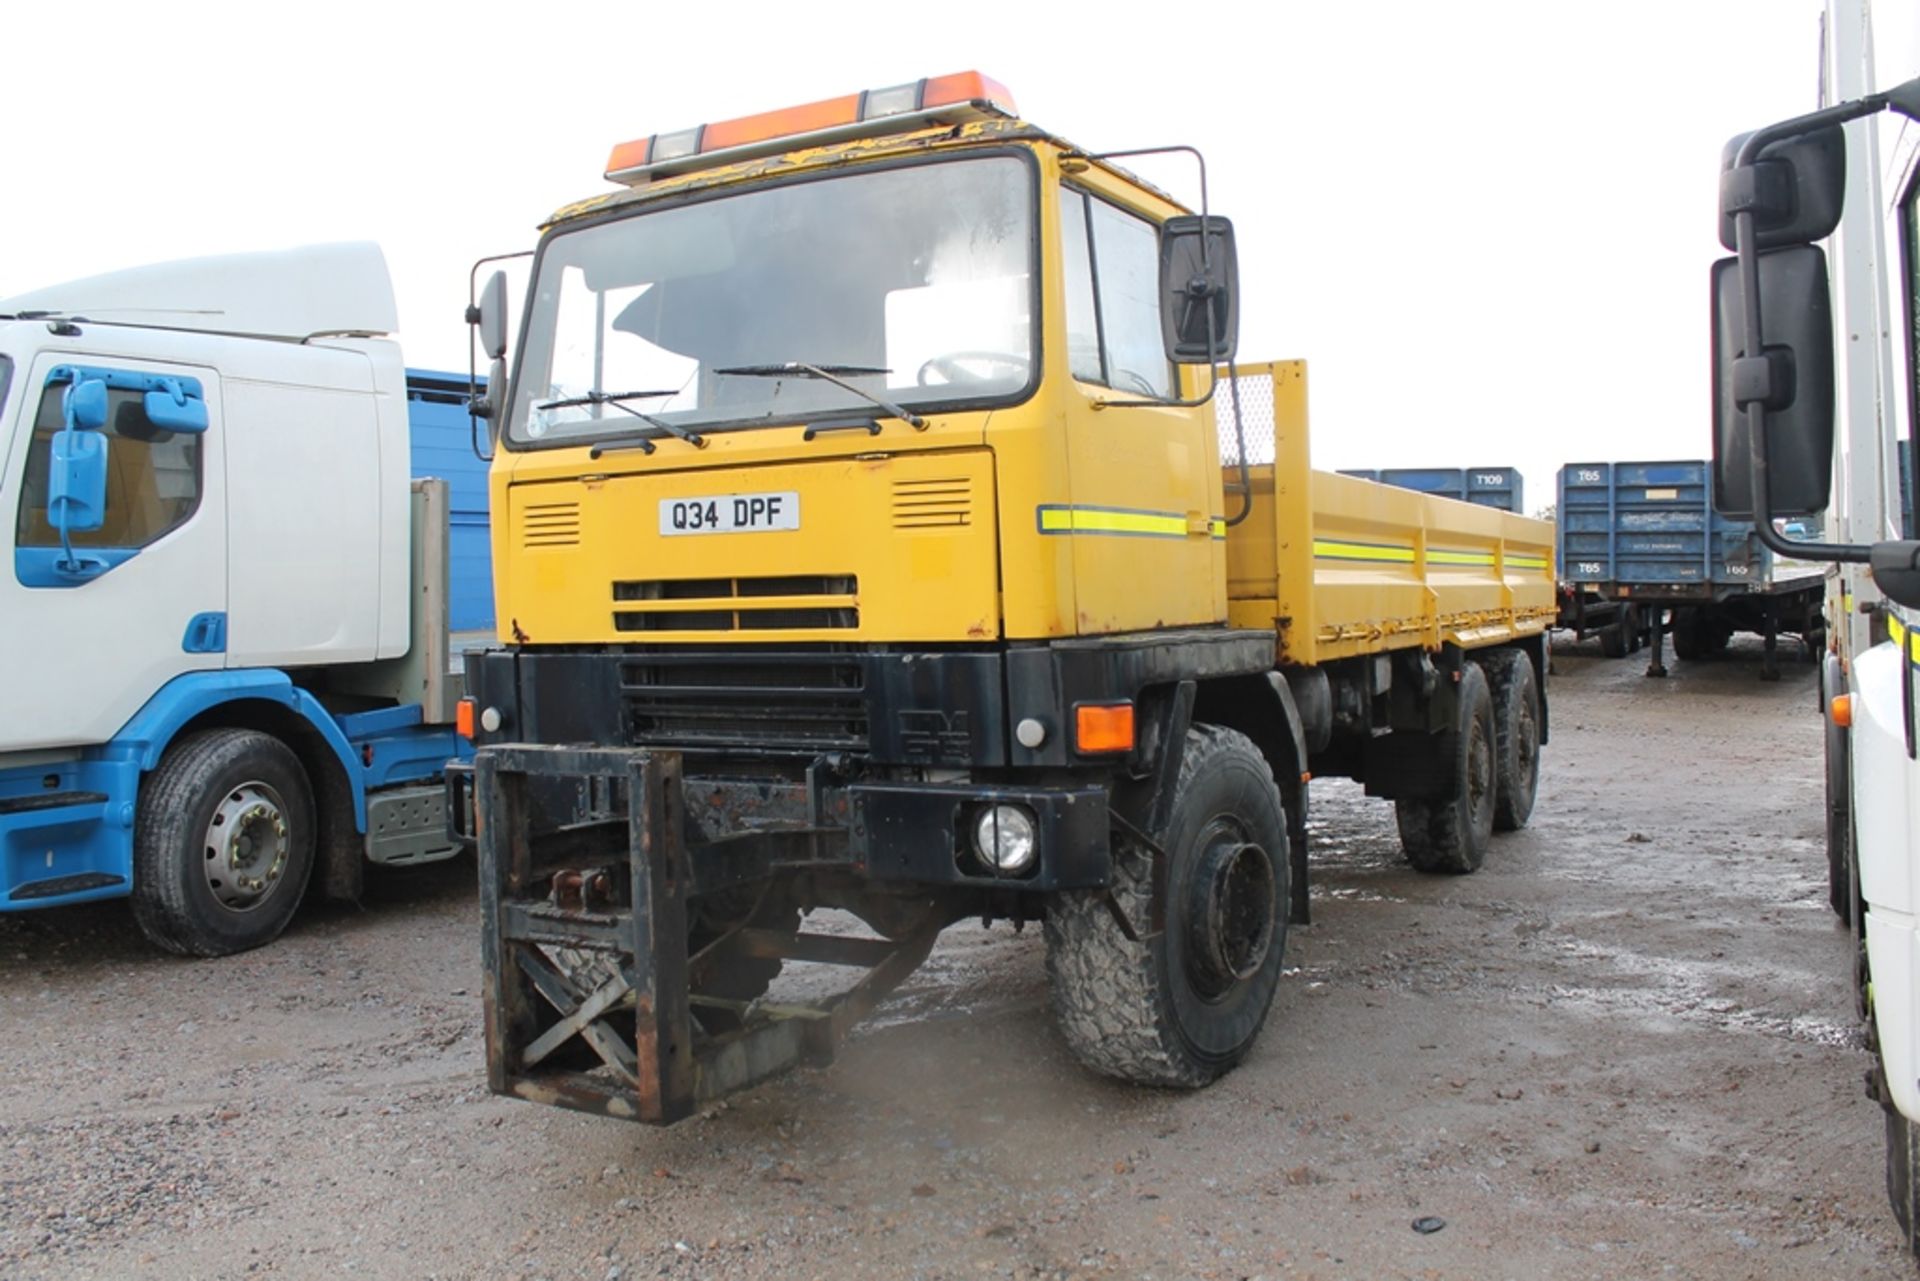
(1690, 639)
(1903, 1159)
(1181, 1006)
(1451, 835)
(1614, 638)
(1516, 735)
(222, 843)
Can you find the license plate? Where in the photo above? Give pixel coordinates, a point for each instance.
(730, 513)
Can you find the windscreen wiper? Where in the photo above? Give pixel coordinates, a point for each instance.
(835, 374)
(618, 400)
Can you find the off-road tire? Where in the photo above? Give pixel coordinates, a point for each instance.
(1516, 733)
(1138, 1010)
(172, 901)
(1450, 835)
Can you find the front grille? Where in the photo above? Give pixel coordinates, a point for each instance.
(788, 602)
(804, 701)
(550, 524)
(933, 503)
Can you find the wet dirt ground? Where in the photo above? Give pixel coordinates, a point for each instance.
(1625, 1048)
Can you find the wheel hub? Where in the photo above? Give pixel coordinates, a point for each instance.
(246, 846)
(1230, 914)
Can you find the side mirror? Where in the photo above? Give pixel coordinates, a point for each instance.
(1896, 571)
(1199, 290)
(1795, 189)
(77, 483)
(1792, 377)
(493, 316)
(85, 405)
(171, 407)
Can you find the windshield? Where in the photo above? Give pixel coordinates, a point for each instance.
(912, 284)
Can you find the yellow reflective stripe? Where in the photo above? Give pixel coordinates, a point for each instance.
(1061, 519)
(1903, 636)
(1337, 550)
(1361, 551)
(1079, 520)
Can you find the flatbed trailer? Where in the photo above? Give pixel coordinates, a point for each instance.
(929, 596)
(1643, 538)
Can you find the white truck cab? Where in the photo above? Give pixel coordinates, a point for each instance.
(227, 594)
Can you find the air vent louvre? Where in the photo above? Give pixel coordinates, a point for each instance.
(943, 503)
(550, 524)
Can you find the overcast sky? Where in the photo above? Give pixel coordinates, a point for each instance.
(1487, 226)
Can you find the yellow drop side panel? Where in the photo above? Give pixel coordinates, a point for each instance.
(1342, 567)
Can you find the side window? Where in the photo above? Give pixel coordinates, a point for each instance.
(153, 475)
(1112, 261)
(1083, 317)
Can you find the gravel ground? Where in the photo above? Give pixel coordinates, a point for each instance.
(1625, 1048)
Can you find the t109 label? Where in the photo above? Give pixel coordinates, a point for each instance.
(730, 513)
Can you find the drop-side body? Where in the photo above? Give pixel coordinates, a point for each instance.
(236, 666)
(858, 545)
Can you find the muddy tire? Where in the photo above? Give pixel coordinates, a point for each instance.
(1615, 642)
(1450, 835)
(222, 843)
(1181, 1007)
(1516, 734)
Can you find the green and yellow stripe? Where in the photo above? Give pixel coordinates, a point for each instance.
(1400, 554)
(1125, 522)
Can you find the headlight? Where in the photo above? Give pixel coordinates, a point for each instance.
(1003, 837)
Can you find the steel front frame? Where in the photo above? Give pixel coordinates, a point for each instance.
(615, 887)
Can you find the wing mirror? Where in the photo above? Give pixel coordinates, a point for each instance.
(1199, 290)
(77, 473)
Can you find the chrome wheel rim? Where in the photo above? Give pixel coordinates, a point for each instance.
(246, 847)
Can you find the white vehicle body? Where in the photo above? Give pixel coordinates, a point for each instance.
(273, 573)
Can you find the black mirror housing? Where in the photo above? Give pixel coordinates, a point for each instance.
(1896, 571)
(493, 316)
(1199, 290)
(1792, 378)
(1795, 189)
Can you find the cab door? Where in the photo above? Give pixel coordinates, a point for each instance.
(1148, 543)
(91, 634)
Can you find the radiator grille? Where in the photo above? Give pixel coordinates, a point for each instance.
(550, 524)
(789, 602)
(933, 504)
(802, 701)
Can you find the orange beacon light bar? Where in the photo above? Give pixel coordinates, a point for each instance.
(937, 100)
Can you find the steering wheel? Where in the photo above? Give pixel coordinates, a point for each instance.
(965, 366)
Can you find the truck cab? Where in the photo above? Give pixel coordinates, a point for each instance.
(221, 654)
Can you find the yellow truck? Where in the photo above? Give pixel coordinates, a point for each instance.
(882, 524)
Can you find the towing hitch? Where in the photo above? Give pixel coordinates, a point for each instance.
(594, 998)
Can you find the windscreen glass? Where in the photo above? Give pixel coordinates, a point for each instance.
(915, 284)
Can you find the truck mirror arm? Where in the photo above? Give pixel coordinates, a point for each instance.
(1754, 383)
